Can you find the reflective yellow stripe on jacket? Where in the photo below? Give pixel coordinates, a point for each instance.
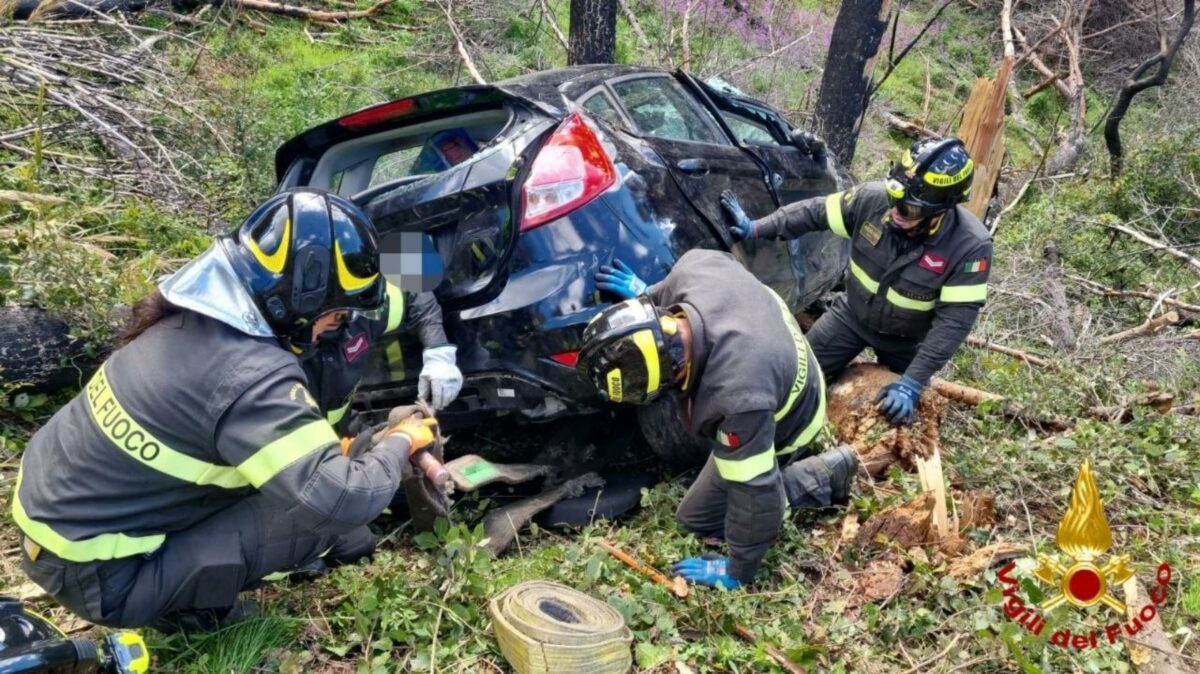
(395, 314)
(744, 470)
(809, 432)
(101, 547)
(833, 214)
(974, 293)
(132, 438)
(894, 297)
(282, 452)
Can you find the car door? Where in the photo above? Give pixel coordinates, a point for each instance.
(819, 258)
(704, 162)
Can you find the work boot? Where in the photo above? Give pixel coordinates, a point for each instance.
(350, 547)
(207, 620)
(822, 480)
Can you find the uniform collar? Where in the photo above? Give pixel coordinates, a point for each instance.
(949, 222)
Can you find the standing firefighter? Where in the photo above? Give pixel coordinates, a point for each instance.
(918, 264)
(197, 461)
(729, 350)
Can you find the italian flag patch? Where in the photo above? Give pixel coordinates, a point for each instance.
(974, 266)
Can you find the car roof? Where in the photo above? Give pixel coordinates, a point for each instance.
(545, 86)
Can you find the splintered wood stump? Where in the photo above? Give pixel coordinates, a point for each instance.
(908, 525)
(857, 422)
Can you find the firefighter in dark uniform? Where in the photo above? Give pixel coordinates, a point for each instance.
(196, 461)
(730, 351)
(919, 265)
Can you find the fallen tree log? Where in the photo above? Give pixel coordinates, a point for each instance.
(1008, 351)
(1101, 289)
(908, 127)
(1148, 328)
(1155, 244)
(974, 397)
(38, 353)
(1160, 401)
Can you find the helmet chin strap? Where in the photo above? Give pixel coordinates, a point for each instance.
(923, 228)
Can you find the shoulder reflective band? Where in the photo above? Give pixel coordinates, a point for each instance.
(867, 282)
(909, 303)
(96, 548)
(395, 315)
(127, 434)
(833, 213)
(269, 461)
(744, 470)
(645, 343)
(975, 293)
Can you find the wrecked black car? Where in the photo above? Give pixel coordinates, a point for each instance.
(525, 187)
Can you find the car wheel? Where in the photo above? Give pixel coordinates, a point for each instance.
(665, 432)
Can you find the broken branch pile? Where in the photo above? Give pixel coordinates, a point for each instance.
(107, 87)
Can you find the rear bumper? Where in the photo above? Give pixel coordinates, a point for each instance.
(484, 396)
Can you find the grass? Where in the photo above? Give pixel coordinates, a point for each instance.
(237, 649)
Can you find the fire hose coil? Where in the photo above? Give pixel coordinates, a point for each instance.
(547, 628)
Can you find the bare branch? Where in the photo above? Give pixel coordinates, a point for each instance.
(549, 16)
(1137, 83)
(1156, 244)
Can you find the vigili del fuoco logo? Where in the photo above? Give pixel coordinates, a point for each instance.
(1090, 577)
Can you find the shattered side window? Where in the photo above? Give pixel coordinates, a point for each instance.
(660, 107)
(599, 107)
(748, 131)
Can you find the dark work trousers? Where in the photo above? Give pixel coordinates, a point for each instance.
(204, 567)
(806, 484)
(838, 337)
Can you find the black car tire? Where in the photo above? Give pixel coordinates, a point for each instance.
(665, 432)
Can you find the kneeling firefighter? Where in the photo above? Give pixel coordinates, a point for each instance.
(727, 347)
(918, 267)
(197, 461)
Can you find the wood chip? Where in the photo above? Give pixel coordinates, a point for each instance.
(974, 564)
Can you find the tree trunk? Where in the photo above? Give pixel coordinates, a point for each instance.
(593, 31)
(857, 34)
(1140, 81)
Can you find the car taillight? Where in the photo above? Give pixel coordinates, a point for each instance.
(568, 358)
(570, 170)
(378, 113)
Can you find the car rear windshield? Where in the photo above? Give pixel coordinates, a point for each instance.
(407, 153)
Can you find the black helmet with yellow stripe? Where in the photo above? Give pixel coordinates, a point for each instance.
(304, 253)
(931, 176)
(632, 352)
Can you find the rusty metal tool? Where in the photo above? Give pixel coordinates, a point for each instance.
(677, 585)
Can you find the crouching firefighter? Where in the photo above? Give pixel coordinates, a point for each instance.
(727, 348)
(196, 461)
(919, 266)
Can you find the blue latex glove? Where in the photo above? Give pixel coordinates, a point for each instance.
(709, 570)
(898, 400)
(741, 227)
(620, 280)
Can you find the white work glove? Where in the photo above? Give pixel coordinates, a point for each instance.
(440, 379)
